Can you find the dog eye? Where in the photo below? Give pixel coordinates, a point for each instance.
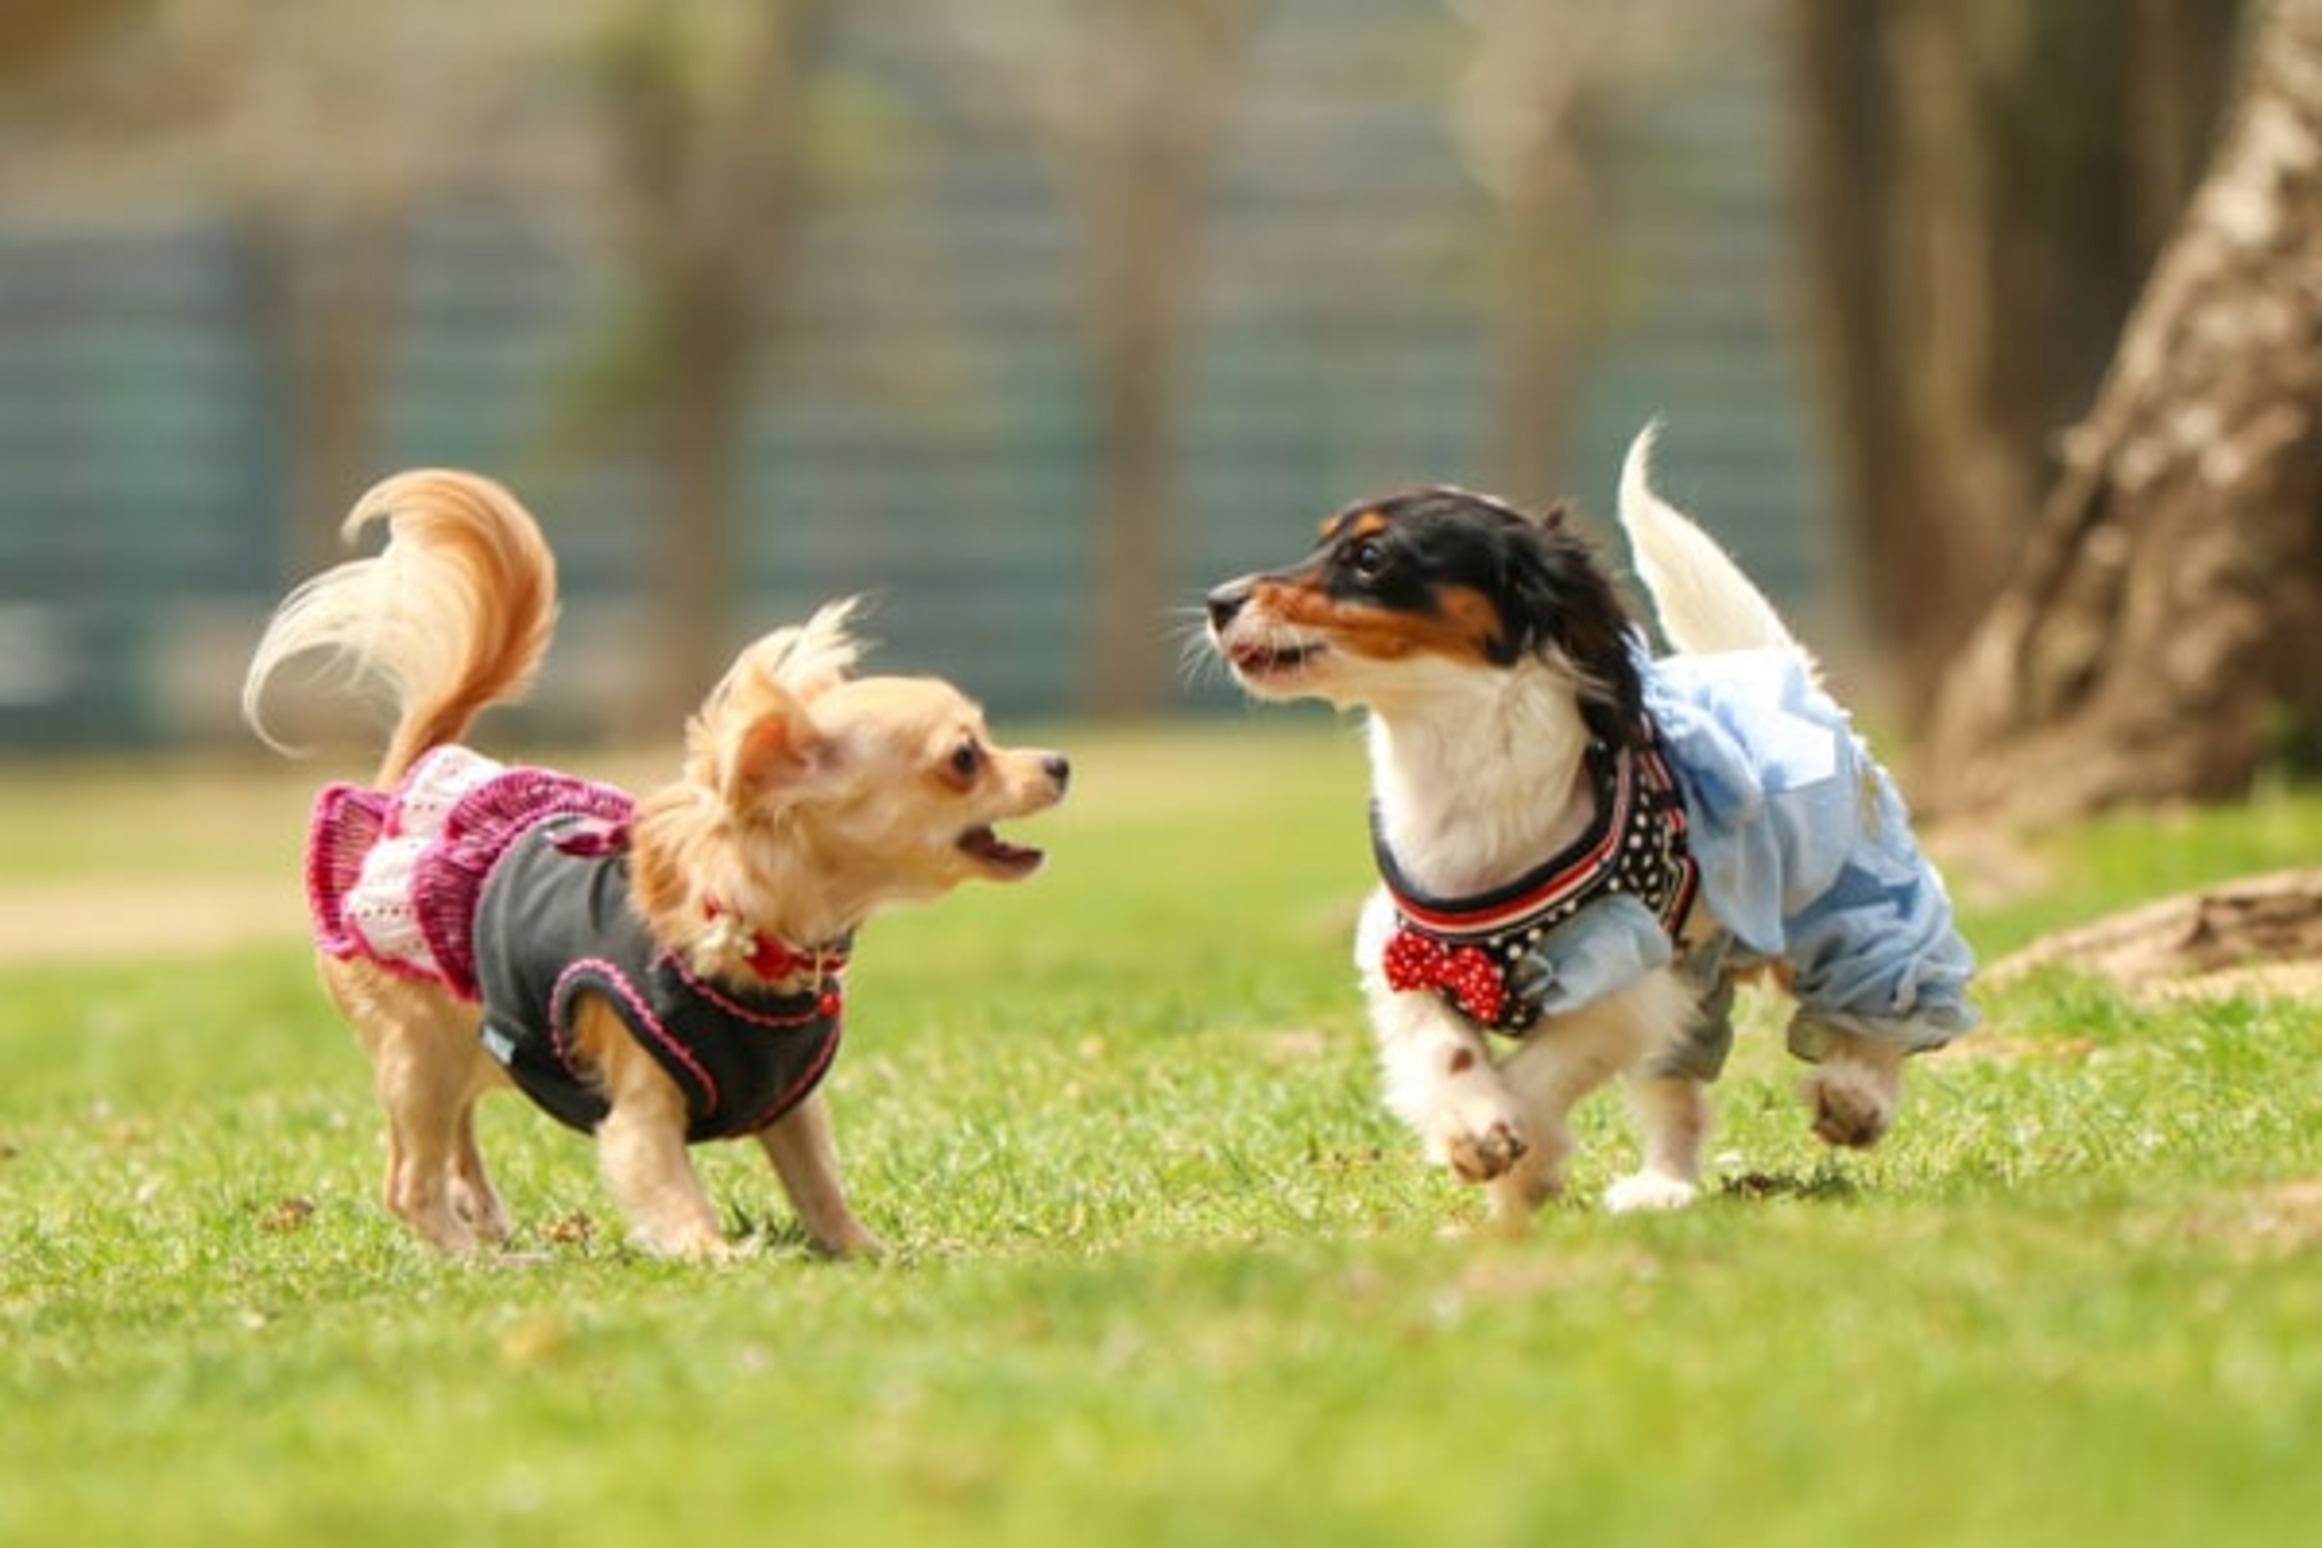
(1368, 557)
(966, 759)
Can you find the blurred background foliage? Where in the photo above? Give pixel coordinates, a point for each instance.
(1034, 317)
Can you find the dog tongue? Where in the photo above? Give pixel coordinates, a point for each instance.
(1261, 659)
(992, 849)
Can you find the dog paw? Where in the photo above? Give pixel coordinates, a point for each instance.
(857, 1245)
(482, 1212)
(1479, 1155)
(1852, 1107)
(688, 1244)
(1455, 1100)
(1649, 1191)
(436, 1223)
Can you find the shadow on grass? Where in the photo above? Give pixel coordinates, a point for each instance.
(1824, 1183)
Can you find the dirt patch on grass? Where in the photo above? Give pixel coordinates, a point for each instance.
(87, 921)
(1999, 1048)
(2266, 1223)
(2268, 980)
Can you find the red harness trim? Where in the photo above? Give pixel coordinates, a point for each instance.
(1535, 894)
(1462, 948)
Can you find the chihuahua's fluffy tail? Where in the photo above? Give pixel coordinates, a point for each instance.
(453, 615)
(1704, 601)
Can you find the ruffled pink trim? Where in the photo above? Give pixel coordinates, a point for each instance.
(448, 878)
(347, 820)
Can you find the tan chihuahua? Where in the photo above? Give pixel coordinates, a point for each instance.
(657, 972)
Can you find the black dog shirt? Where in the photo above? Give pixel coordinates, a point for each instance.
(554, 922)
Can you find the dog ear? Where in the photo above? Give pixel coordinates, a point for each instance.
(1569, 606)
(772, 746)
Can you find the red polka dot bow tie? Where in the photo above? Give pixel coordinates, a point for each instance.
(1467, 973)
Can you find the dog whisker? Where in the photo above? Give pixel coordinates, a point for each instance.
(1197, 661)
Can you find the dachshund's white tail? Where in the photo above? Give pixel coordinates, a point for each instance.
(1704, 601)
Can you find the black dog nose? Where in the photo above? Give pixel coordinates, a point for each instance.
(1059, 769)
(1226, 601)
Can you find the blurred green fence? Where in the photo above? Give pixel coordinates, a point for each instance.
(925, 431)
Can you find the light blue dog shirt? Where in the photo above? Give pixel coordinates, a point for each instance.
(1804, 853)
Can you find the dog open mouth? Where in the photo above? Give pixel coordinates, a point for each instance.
(1004, 858)
(1260, 660)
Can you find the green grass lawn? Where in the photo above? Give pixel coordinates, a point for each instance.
(1162, 1271)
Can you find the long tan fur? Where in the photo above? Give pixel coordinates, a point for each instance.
(452, 616)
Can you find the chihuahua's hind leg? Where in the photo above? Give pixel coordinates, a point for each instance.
(473, 1195)
(427, 1098)
(423, 1065)
(799, 1145)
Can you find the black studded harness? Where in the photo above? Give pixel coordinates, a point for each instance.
(1464, 948)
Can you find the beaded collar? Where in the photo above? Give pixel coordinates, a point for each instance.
(770, 956)
(1463, 948)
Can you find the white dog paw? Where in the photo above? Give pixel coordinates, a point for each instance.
(1649, 1190)
(1469, 1123)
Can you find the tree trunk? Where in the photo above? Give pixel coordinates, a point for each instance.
(1979, 186)
(697, 451)
(35, 33)
(1144, 222)
(709, 147)
(1542, 323)
(1526, 119)
(329, 289)
(2157, 639)
(1146, 158)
